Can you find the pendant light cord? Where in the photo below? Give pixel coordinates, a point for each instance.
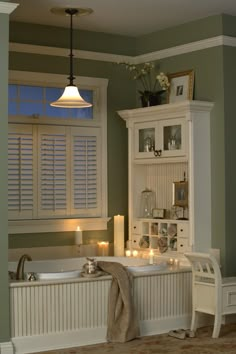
(71, 12)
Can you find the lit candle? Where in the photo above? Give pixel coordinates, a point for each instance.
(128, 253)
(151, 257)
(171, 261)
(135, 253)
(78, 236)
(103, 248)
(176, 262)
(119, 235)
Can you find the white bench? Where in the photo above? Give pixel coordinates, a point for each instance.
(211, 293)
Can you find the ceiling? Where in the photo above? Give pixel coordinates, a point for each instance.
(124, 17)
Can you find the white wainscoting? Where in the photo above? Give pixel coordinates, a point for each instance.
(6, 348)
(53, 315)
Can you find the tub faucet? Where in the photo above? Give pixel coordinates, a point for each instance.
(20, 266)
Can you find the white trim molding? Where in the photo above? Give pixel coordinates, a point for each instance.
(186, 48)
(63, 52)
(106, 57)
(7, 7)
(56, 225)
(6, 348)
(29, 76)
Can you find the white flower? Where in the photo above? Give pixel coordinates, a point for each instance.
(163, 81)
(144, 75)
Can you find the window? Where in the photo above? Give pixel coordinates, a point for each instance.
(56, 160)
(34, 101)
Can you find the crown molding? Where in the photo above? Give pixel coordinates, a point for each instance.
(7, 7)
(63, 52)
(106, 57)
(186, 48)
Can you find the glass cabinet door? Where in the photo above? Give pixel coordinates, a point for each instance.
(165, 138)
(172, 137)
(145, 140)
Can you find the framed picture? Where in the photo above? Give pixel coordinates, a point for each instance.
(158, 213)
(180, 194)
(181, 86)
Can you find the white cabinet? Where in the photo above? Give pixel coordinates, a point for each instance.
(166, 143)
(164, 138)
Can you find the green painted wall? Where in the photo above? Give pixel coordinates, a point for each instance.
(4, 290)
(213, 82)
(230, 148)
(59, 37)
(182, 34)
(229, 25)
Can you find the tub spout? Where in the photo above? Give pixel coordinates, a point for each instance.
(21, 265)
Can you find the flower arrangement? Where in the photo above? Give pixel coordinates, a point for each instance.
(152, 85)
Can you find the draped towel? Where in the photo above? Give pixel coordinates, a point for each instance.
(122, 323)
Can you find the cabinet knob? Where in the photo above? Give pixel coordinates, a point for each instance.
(157, 153)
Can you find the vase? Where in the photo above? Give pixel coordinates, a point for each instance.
(149, 98)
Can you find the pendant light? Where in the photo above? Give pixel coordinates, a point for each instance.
(71, 97)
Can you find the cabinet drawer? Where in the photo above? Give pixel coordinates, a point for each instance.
(182, 245)
(182, 230)
(136, 227)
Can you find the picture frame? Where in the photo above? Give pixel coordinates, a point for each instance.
(158, 213)
(180, 194)
(181, 86)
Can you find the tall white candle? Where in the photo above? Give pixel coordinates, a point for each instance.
(78, 236)
(151, 257)
(119, 235)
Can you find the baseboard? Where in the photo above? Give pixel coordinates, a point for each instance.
(40, 343)
(152, 327)
(24, 345)
(6, 348)
(227, 319)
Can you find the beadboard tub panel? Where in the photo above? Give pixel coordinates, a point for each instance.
(47, 315)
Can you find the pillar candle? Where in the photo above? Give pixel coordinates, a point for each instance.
(119, 235)
(78, 236)
(103, 248)
(151, 257)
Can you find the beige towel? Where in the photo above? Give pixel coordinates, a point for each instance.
(122, 323)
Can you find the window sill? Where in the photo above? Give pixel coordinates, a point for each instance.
(56, 225)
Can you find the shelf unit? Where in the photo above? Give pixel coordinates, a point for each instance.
(164, 235)
(165, 143)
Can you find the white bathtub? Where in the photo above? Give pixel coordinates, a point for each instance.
(71, 268)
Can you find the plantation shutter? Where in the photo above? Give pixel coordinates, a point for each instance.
(53, 171)
(85, 164)
(20, 171)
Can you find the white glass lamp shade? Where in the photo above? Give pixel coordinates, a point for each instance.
(71, 99)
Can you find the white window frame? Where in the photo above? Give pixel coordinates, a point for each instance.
(99, 120)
